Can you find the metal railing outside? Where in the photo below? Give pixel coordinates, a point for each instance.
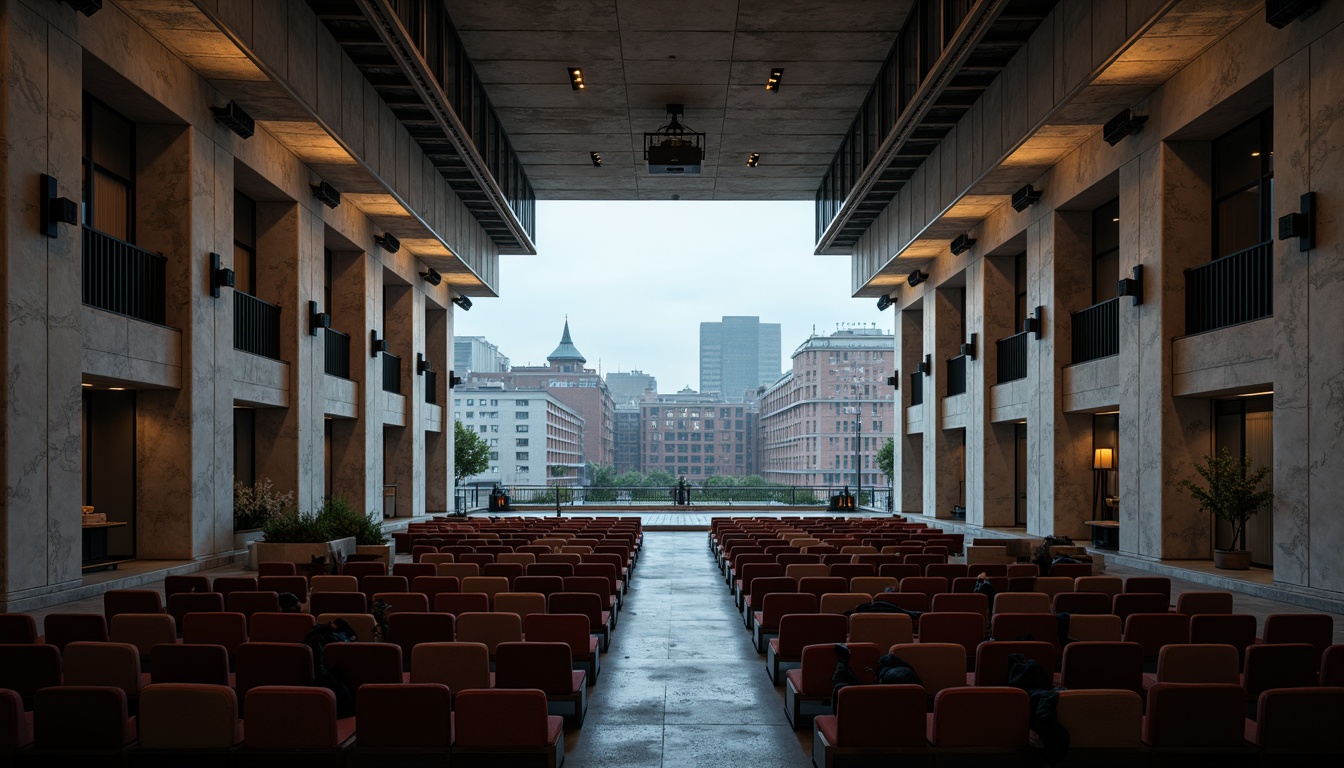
(119, 277)
(256, 325)
(1012, 357)
(916, 388)
(782, 495)
(391, 373)
(1096, 331)
(956, 375)
(337, 362)
(1236, 288)
(431, 387)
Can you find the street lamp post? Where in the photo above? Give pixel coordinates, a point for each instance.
(858, 463)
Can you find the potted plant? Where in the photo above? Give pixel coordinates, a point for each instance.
(1233, 494)
(253, 506)
(335, 531)
(345, 521)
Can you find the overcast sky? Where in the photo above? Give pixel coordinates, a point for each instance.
(637, 278)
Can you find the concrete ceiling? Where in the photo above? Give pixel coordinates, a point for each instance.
(713, 56)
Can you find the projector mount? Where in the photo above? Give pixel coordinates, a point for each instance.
(674, 148)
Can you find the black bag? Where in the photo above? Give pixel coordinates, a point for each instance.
(317, 639)
(893, 670)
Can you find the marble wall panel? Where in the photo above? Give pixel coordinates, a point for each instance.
(438, 444)
(357, 444)
(117, 347)
(1227, 359)
(405, 448)
(990, 461)
(909, 452)
(1092, 386)
(943, 449)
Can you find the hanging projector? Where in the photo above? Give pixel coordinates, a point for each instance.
(674, 148)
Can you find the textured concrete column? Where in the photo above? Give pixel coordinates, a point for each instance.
(1165, 226)
(184, 456)
(908, 461)
(1059, 445)
(40, 425)
(989, 448)
(357, 444)
(438, 445)
(943, 449)
(404, 314)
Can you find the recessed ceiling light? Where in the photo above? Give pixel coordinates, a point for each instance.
(597, 159)
(86, 384)
(1255, 154)
(576, 79)
(117, 389)
(772, 84)
(1117, 218)
(754, 159)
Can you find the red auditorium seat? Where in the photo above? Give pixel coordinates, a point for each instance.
(548, 667)
(403, 724)
(799, 630)
(1102, 665)
(873, 722)
(491, 723)
(1196, 721)
(362, 663)
(975, 726)
(296, 723)
(204, 664)
(813, 681)
(571, 629)
(991, 659)
(1315, 629)
(81, 719)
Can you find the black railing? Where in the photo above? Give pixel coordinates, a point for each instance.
(1012, 358)
(784, 495)
(122, 278)
(956, 375)
(1236, 288)
(916, 388)
(431, 387)
(337, 353)
(256, 325)
(1096, 331)
(391, 373)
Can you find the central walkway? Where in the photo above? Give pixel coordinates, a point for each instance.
(682, 685)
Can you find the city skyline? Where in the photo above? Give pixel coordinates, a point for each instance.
(618, 313)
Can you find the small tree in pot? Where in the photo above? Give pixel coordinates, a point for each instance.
(1233, 494)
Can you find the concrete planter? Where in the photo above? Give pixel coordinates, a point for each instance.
(299, 554)
(1232, 560)
(241, 539)
(385, 552)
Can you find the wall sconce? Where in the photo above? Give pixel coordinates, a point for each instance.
(883, 302)
(968, 348)
(317, 320)
(327, 194)
(916, 278)
(894, 380)
(1033, 323)
(1026, 197)
(376, 345)
(52, 209)
(453, 380)
(1132, 286)
(925, 366)
(432, 276)
(233, 117)
(1124, 124)
(1301, 225)
(463, 302)
(388, 242)
(220, 276)
(962, 244)
(422, 365)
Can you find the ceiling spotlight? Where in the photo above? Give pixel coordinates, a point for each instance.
(233, 117)
(754, 159)
(432, 276)
(327, 194)
(1124, 124)
(597, 159)
(772, 84)
(883, 302)
(916, 278)
(1026, 197)
(576, 79)
(388, 242)
(463, 302)
(962, 244)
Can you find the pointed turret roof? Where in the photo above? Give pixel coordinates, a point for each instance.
(566, 352)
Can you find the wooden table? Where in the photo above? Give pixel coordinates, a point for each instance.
(1105, 533)
(95, 547)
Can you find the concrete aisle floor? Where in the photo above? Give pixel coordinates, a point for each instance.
(682, 685)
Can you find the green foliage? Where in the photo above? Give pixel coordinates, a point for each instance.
(336, 519)
(254, 506)
(659, 477)
(295, 529)
(557, 470)
(886, 458)
(603, 476)
(471, 454)
(1232, 492)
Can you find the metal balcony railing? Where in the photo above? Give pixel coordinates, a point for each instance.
(1012, 358)
(121, 278)
(337, 350)
(391, 373)
(1096, 331)
(916, 388)
(431, 387)
(256, 325)
(956, 375)
(1236, 288)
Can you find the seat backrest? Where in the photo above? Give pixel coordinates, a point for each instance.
(429, 586)
(1195, 715)
(248, 602)
(1128, 603)
(329, 583)
(1071, 570)
(547, 666)
(585, 603)
(1021, 570)
(1195, 603)
(403, 716)
(361, 569)
(182, 603)
(27, 667)
(226, 584)
(1026, 626)
(114, 664)
(818, 664)
(458, 603)
(853, 571)
(842, 602)
(558, 558)
(401, 602)
(501, 720)
(1098, 627)
(521, 603)
(78, 717)
(276, 568)
(17, 628)
(181, 715)
(294, 585)
(938, 665)
(1095, 664)
(143, 630)
(516, 558)
(272, 664)
(776, 605)
(1101, 719)
(542, 568)
(1022, 602)
(881, 629)
(338, 602)
(967, 602)
(880, 716)
(1198, 663)
(280, 627)
(801, 629)
(1107, 585)
(1053, 585)
(1236, 630)
(1279, 665)
(805, 570)
(373, 584)
(458, 570)
(180, 583)
(117, 601)
(546, 585)
(410, 571)
(226, 629)
(1149, 584)
(947, 571)
(1091, 603)
(438, 558)
(964, 629)
(991, 658)
(568, 628)
(205, 664)
(1154, 630)
(1332, 666)
(993, 716)
(1315, 629)
(911, 601)
(461, 666)
(929, 585)
(362, 663)
(490, 629)
(598, 585)
(290, 717)
(1296, 718)
(873, 584)
(409, 629)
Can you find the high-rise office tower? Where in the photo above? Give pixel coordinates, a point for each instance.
(737, 355)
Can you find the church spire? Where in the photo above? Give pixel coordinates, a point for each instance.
(566, 352)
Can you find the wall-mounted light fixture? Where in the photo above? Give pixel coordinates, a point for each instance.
(453, 379)
(53, 209)
(422, 365)
(376, 345)
(772, 82)
(1033, 322)
(86, 7)
(233, 117)
(894, 380)
(1132, 286)
(962, 244)
(327, 194)
(220, 276)
(968, 348)
(753, 159)
(884, 302)
(1026, 197)
(1281, 13)
(925, 366)
(916, 278)
(318, 321)
(1302, 224)
(596, 157)
(576, 79)
(463, 302)
(388, 242)
(1124, 124)
(432, 276)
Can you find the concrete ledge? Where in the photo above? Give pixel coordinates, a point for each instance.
(98, 583)
(1314, 599)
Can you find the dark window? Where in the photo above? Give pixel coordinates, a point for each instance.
(1105, 251)
(1019, 290)
(109, 170)
(244, 243)
(1243, 186)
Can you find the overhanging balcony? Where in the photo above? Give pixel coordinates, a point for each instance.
(1236, 288)
(119, 277)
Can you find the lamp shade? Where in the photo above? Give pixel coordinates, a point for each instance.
(1103, 458)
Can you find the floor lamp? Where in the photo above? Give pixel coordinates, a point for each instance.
(1103, 460)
